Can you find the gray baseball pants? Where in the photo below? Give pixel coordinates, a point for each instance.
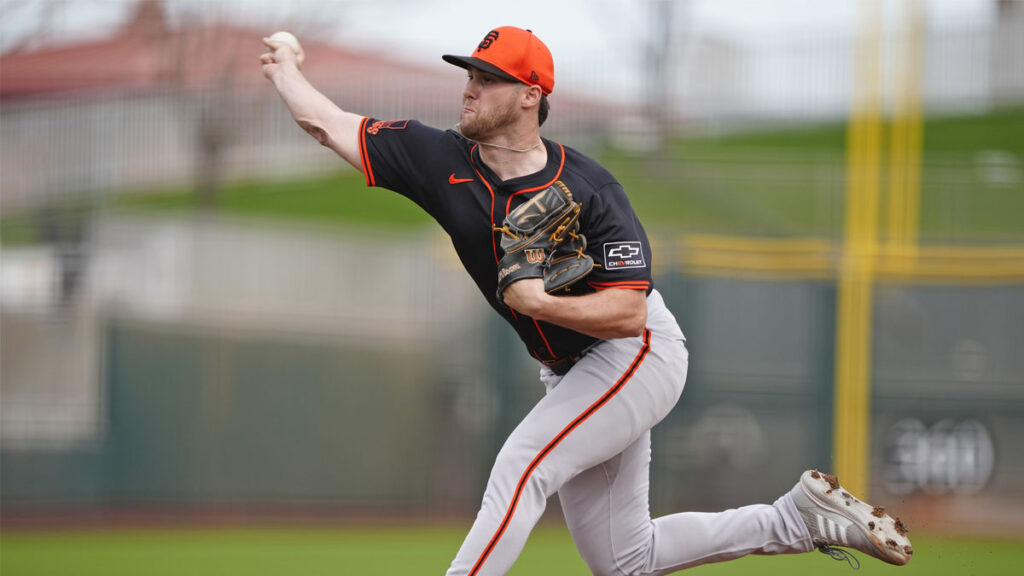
(589, 440)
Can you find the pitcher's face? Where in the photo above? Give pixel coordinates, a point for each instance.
(489, 104)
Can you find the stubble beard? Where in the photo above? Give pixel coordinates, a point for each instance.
(484, 127)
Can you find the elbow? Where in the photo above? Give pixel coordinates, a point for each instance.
(632, 317)
(632, 325)
(626, 328)
(635, 326)
(337, 131)
(638, 319)
(316, 131)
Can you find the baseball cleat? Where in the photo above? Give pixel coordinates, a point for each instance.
(835, 517)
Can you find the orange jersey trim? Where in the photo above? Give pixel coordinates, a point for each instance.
(364, 157)
(494, 234)
(508, 207)
(558, 174)
(629, 284)
(544, 338)
(561, 436)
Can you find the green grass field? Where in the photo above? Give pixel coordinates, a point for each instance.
(386, 551)
(782, 182)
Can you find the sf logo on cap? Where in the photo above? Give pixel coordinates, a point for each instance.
(488, 40)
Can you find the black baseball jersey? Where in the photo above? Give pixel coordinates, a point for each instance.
(441, 171)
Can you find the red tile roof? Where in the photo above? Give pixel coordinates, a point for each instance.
(147, 56)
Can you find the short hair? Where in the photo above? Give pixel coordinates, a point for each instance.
(543, 109)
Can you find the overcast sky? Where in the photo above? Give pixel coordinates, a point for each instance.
(567, 25)
(587, 37)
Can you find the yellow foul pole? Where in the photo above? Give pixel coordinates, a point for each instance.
(852, 414)
(905, 143)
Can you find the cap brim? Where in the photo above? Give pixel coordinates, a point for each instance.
(469, 61)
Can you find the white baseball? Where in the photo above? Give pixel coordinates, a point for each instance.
(289, 40)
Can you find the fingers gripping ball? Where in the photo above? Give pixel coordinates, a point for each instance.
(289, 40)
(541, 239)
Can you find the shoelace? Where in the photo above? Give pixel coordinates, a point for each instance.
(840, 554)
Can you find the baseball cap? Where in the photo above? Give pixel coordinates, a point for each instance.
(513, 54)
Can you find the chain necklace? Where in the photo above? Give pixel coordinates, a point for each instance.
(510, 149)
(520, 150)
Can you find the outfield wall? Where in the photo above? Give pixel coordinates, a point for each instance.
(235, 367)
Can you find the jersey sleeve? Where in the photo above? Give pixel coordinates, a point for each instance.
(404, 156)
(617, 242)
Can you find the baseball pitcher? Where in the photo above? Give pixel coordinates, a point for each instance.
(550, 239)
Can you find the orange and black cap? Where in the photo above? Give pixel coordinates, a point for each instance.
(513, 54)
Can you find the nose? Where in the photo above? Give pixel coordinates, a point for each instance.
(471, 89)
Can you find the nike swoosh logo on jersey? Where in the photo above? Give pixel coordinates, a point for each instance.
(453, 180)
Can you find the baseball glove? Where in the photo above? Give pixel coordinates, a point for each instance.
(542, 239)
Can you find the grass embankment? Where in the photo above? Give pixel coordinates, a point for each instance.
(788, 182)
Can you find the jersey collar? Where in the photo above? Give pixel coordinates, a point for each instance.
(541, 179)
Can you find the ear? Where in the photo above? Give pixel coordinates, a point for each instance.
(530, 96)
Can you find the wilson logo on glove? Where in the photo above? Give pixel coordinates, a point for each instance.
(541, 239)
(504, 272)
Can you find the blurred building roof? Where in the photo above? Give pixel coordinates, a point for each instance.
(145, 106)
(148, 54)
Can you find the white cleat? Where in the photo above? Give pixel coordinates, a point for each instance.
(835, 517)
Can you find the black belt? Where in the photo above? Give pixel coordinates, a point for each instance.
(562, 365)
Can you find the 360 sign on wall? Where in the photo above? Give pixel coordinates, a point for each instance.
(947, 457)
